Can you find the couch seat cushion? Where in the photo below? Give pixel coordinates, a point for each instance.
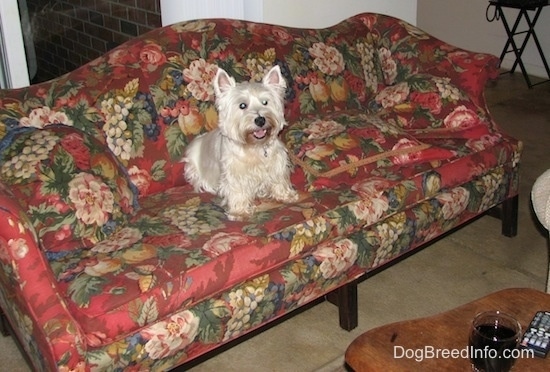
(73, 189)
(177, 250)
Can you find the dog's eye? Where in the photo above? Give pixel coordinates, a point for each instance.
(264, 102)
(242, 106)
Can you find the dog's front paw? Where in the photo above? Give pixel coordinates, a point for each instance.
(239, 210)
(290, 197)
(238, 206)
(285, 194)
(240, 215)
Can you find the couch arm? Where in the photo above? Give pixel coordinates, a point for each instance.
(29, 296)
(406, 50)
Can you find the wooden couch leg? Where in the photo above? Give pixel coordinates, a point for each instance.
(345, 298)
(510, 216)
(507, 212)
(4, 326)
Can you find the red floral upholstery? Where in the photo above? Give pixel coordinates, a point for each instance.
(75, 192)
(110, 261)
(428, 105)
(345, 144)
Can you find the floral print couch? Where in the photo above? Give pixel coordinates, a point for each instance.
(110, 261)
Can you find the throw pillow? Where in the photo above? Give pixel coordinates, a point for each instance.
(345, 143)
(431, 106)
(72, 187)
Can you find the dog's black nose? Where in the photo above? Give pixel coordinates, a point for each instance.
(259, 121)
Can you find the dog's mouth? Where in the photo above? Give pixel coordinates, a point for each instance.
(260, 133)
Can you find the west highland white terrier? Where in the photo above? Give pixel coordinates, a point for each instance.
(243, 159)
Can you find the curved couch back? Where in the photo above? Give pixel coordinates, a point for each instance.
(150, 96)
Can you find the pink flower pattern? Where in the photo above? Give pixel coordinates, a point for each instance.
(336, 257)
(167, 337)
(327, 58)
(200, 75)
(42, 116)
(92, 199)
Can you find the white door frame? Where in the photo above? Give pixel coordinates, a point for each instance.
(13, 62)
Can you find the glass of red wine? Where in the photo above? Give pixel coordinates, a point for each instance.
(494, 336)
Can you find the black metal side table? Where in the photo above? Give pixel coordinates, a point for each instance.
(524, 8)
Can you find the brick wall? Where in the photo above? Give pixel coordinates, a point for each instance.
(69, 33)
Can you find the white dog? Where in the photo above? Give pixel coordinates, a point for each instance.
(243, 158)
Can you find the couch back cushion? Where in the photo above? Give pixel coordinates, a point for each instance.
(166, 97)
(152, 95)
(405, 50)
(344, 146)
(430, 106)
(73, 189)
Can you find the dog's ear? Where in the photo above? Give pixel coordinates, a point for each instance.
(222, 81)
(274, 77)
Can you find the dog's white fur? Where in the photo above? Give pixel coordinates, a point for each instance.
(243, 158)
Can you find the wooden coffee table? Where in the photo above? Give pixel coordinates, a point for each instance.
(386, 348)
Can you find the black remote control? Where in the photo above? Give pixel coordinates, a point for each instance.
(537, 334)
